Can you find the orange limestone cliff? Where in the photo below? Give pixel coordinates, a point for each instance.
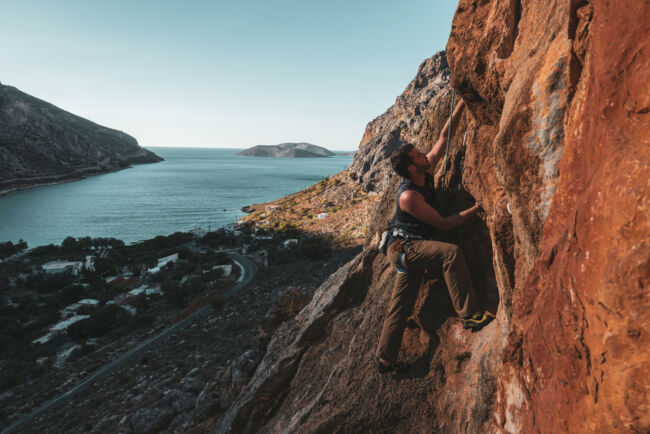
(560, 97)
(555, 146)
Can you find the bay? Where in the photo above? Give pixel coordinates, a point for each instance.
(193, 187)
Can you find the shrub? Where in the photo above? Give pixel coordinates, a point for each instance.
(315, 248)
(7, 249)
(172, 291)
(48, 250)
(101, 321)
(353, 176)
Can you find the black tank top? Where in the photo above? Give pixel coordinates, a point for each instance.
(407, 222)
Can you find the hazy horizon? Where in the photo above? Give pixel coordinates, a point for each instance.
(222, 74)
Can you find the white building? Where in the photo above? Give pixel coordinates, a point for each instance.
(162, 262)
(321, 216)
(290, 242)
(90, 263)
(59, 327)
(61, 266)
(75, 306)
(227, 269)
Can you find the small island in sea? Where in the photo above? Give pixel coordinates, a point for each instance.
(288, 150)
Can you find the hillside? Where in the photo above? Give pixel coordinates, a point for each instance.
(556, 152)
(287, 150)
(554, 145)
(42, 144)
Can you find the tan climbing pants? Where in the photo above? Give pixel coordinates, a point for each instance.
(417, 257)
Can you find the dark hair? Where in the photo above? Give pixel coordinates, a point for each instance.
(401, 160)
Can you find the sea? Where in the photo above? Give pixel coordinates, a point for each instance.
(193, 188)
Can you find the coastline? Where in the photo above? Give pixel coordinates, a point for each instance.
(59, 179)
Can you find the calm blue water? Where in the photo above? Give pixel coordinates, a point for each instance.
(192, 187)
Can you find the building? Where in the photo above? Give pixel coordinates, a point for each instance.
(63, 266)
(74, 307)
(227, 269)
(59, 327)
(291, 242)
(162, 262)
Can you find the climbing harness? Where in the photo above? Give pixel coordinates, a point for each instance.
(451, 113)
(403, 242)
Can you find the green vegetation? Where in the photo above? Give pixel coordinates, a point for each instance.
(8, 249)
(31, 300)
(323, 183)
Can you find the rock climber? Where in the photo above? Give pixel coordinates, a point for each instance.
(411, 249)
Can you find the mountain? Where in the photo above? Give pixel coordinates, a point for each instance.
(554, 146)
(288, 150)
(42, 144)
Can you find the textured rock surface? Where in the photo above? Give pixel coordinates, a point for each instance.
(42, 144)
(557, 152)
(408, 120)
(559, 96)
(288, 150)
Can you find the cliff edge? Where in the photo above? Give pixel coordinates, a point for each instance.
(42, 144)
(557, 152)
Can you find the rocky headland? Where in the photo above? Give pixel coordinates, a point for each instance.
(288, 150)
(42, 144)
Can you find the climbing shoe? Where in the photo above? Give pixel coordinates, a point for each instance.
(477, 321)
(393, 367)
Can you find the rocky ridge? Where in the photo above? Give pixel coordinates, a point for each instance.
(556, 151)
(42, 144)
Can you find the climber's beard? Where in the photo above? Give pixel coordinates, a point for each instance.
(423, 167)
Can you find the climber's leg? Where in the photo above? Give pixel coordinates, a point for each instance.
(400, 307)
(449, 257)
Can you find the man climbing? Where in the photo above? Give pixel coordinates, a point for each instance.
(411, 249)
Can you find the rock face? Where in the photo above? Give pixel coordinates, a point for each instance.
(287, 150)
(558, 154)
(410, 119)
(42, 144)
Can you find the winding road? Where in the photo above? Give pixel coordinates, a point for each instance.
(248, 271)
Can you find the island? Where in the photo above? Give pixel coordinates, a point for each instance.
(288, 150)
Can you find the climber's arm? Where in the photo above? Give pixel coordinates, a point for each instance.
(413, 203)
(438, 151)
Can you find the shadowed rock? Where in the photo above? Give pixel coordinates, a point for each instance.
(42, 144)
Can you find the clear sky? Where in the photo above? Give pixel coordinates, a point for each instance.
(222, 73)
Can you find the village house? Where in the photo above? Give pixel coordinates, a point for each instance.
(59, 327)
(227, 269)
(291, 242)
(73, 308)
(53, 267)
(162, 262)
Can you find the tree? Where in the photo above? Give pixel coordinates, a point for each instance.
(172, 291)
(101, 321)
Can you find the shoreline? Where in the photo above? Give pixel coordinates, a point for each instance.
(62, 179)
